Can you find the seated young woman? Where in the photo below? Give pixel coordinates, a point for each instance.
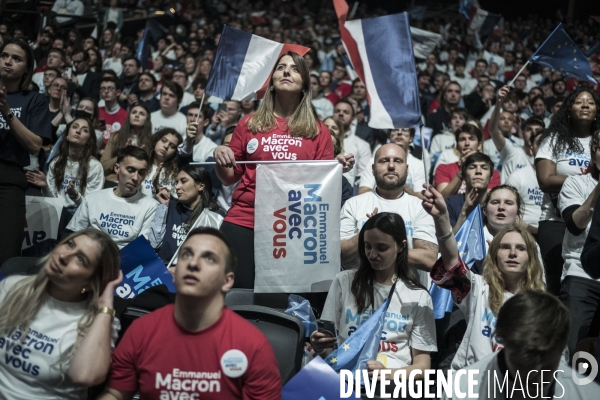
(74, 171)
(194, 207)
(163, 157)
(512, 265)
(409, 326)
(57, 328)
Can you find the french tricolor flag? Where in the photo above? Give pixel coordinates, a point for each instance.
(381, 51)
(243, 64)
(479, 20)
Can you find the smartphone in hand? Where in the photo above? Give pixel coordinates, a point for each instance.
(326, 327)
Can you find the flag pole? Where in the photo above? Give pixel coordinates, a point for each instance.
(518, 73)
(423, 155)
(200, 109)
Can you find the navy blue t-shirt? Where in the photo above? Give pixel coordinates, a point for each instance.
(454, 205)
(175, 233)
(31, 108)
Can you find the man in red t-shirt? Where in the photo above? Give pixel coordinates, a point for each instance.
(196, 348)
(112, 113)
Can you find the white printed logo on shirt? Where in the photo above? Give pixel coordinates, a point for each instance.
(234, 363)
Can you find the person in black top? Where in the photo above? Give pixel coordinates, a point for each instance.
(439, 121)
(24, 126)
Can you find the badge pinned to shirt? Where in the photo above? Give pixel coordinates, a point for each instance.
(252, 146)
(234, 363)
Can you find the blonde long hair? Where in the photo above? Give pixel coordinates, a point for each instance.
(303, 121)
(25, 298)
(532, 280)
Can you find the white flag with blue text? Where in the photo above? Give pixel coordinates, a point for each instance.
(297, 226)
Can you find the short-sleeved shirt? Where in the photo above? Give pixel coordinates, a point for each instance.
(415, 178)
(471, 294)
(230, 359)
(513, 158)
(568, 163)
(31, 108)
(525, 181)
(271, 146)
(575, 191)
(409, 321)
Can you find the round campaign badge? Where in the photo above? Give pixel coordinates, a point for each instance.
(234, 363)
(116, 126)
(252, 146)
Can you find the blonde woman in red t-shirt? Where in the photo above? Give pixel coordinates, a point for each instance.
(287, 113)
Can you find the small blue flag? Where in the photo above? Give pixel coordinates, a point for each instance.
(317, 380)
(470, 240)
(559, 52)
(142, 269)
(362, 345)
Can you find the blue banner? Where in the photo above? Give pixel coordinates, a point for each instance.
(315, 381)
(142, 269)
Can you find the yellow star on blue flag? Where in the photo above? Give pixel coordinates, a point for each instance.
(556, 53)
(346, 347)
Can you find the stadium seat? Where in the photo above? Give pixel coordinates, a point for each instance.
(245, 297)
(284, 332)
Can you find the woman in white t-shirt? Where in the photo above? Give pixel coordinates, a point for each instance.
(409, 327)
(565, 151)
(163, 157)
(511, 266)
(57, 328)
(74, 171)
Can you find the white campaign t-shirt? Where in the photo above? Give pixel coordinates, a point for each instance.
(575, 191)
(95, 180)
(568, 163)
(419, 224)
(124, 219)
(177, 121)
(441, 142)
(525, 181)
(147, 186)
(30, 368)
(204, 149)
(489, 148)
(513, 158)
(415, 178)
(409, 321)
(480, 337)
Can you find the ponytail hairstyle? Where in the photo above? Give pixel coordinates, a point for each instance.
(89, 151)
(303, 122)
(200, 176)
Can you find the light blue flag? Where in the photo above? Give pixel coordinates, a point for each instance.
(470, 240)
(361, 346)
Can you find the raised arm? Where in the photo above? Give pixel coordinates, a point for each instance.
(435, 205)
(497, 136)
(96, 344)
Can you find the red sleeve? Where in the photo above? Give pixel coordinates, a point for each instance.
(123, 375)
(324, 145)
(495, 181)
(456, 280)
(263, 380)
(443, 173)
(237, 144)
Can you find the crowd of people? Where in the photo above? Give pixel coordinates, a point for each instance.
(115, 136)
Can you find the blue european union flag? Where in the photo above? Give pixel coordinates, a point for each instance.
(362, 345)
(559, 52)
(470, 240)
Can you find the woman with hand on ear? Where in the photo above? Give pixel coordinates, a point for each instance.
(194, 207)
(58, 327)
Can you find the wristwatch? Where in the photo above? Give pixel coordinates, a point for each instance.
(10, 116)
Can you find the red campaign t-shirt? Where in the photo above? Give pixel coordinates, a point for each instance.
(114, 122)
(160, 359)
(275, 145)
(445, 173)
